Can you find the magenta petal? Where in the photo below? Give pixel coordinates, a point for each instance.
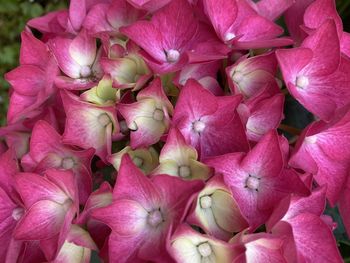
(126, 217)
(272, 9)
(265, 159)
(313, 239)
(77, 12)
(143, 33)
(43, 220)
(26, 79)
(133, 184)
(221, 18)
(33, 51)
(83, 49)
(321, 10)
(34, 188)
(60, 48)
(325, 39)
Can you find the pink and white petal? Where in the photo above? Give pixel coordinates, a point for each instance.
(66, 180)
(143, 33)
(34, 188)
(320, 11)
(60, 48)
(44, 140)
(83, 49)
(292, 61)
(221, 18)
(43, 220)
(134, 185)
(126, 218)
(77, 13)
(265, 159)
(325, 39)
(313, 239)
(26, 80)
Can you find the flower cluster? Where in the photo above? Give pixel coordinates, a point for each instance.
(149, 131)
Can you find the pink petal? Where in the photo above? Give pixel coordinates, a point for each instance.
(134, 185)
(143, 33)
(313, 239)
(77, 12)
(60, 48)
(127, 218)
(325, 39)
(33, 51)
(83, 49)
(221, 18)
(320, 11)
(43, 220)
(34, 188)
(265, 159)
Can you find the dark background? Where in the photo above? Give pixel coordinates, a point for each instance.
(15, 13)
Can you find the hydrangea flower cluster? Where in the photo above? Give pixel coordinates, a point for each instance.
(149, 131)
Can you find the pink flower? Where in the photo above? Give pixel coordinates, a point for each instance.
(167, 53)
(261, 114)
(313, 78)
(204, 73)
(108, 17)
(210, 124)
(241, 26)
(320, 11)
(143, 212)
(299, 220)
(258, 179)
(78, 59)
(51, 202)
(180, 159)
(89, 125)
(148, 118)
(271, 9)
(187, 246)
(47, 151)
(32, 81)
(216, 211)
(250, 76)
(149, 5)
(322, 149)
(259, 247)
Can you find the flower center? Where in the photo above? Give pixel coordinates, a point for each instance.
(184, 171)
(67, 163)
(158, 115)
(137, 161)
(104, 119)
(302, 82)
(204, 249)
(205, 202)
(252, 182)
(237, 77)
(133, 126)
(17, 213)
(198, 126)
(311, 139)
(155, 218)
(229, 36)
(85, 71)
(172, 55)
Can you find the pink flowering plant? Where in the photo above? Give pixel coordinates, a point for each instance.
(159, 131)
